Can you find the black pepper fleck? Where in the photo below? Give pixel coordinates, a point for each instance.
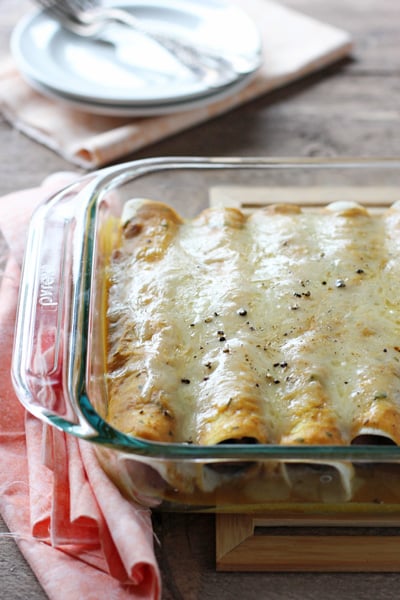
(340, 283)
(185, 380)
(222, 338)
(242, 312)
(280, 364)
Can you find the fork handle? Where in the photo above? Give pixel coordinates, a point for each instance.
(102, 15)
(214, 68)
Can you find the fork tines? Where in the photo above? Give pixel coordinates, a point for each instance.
(67, 8)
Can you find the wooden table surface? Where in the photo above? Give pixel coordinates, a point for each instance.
(350, 109)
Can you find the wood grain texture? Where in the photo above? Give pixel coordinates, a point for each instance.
(314, 553)
(248, 199)
(16, 579)
(250, 543)
(350, 109)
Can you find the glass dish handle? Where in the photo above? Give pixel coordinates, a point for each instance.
(41, 343)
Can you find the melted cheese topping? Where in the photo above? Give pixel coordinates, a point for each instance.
(281, 327)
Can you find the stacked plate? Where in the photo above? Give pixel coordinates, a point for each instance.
(126, 73)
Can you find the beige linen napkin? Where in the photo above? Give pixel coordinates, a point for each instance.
(293, 45)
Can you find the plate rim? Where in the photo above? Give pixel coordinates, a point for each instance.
(139, 111)
(33, 72)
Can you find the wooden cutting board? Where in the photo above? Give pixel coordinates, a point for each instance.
(250, 198)
(257, 543)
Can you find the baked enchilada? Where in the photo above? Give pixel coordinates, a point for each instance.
(277, 327)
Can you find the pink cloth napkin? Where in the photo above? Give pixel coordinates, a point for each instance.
(81, 537)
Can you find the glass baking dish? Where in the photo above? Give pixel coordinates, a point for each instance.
(59, 366)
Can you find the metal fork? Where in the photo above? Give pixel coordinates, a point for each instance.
(87, 18)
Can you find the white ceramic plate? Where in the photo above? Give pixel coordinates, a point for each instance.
(145, 110)
(133, 70)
